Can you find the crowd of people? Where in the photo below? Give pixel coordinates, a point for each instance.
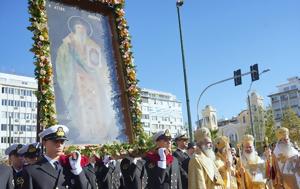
(202, 164)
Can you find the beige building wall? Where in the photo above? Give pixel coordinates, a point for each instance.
(235, 128)
(209, 118)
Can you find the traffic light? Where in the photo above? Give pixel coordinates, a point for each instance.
(254, 72)
(237, 77)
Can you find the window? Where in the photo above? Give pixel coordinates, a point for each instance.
(244, 119)
(17, 91)
(293, 87)
(16, 140)
(3, 140)
(3, 127)
(28, 128)
(23, 103)
(283, 97)
(23, 140)
(11, 90)
(146, 124)
(145, 116)
(293, 95)
(275, 98)
(22, 127)
(145, 100)
(4, 102)
(155, 126)
(154, 117)
(286, 88)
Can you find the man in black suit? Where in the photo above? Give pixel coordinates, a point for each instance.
(48, 172)
(6, 177)
(162, 168)
(17, 162)
(108, 173)
(91, 169)
(181, 141)
(134, 175)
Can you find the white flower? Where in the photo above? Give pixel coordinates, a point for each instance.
(41, 38)
(43, 72)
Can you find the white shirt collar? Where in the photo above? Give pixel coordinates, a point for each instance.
(51, 161)
(16, 170)
(183, 150)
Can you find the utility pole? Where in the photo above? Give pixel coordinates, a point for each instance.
(179, 3)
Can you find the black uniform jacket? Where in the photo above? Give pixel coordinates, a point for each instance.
(18, 179)
(6, 177)
(159, 178)
(109, 177)
(43, 175)
(90, 172)
(134, 175)
(183, 160)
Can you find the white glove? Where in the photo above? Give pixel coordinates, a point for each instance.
(135, 160)
(75, 164)
(163, 158)
(106, 160)
(162, 154)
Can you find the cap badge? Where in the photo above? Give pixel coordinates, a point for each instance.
(31, 149)
(167, 133)
(60, 132)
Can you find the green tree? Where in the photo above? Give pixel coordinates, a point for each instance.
(269, 126)
(291, 121)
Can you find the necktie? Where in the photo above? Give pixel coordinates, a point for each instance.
(56, 165)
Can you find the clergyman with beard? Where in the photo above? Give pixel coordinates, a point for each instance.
(285, 162)
(203, 173)
(250, 166)
(224, 162)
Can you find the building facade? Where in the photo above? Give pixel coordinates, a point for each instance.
(161, 111)
(236, 127)
(18, 110)
(287, 96)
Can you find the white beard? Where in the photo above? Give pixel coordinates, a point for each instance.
(285, 149)
(252, 157)
(227, 154)
(208, 152)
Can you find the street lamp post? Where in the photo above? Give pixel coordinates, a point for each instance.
(179, 3)
(215, 83)
(249, 105)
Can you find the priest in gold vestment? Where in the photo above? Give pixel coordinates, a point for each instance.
(203, 173)
(251, 167)
(224, 162)
(285, 162)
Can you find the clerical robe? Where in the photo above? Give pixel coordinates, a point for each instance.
(203, 173)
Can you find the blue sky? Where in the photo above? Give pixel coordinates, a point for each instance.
(220, 36)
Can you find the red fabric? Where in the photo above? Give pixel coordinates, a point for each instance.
(154, 158)
(64, 161)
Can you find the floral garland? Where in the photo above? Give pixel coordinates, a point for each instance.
(43, 73)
